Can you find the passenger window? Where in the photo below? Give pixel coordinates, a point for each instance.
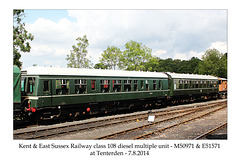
(62, 86)
(141, 84)
(211, 84)
(181, 84)
(197, 84)
(30, 85)
(23, 81)
(135, 85)
(154, 85)
(46, 86)
(93, 84)
(191, 84)
(201, 84)
(186, 84)
(105, 86)
(208, 84)
(117, 85)
(176, 84)
(204, 84)
(147, 85)
(127, 85)
(80, 86)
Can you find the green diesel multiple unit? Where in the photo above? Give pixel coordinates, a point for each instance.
(51, 92)
(80, 91)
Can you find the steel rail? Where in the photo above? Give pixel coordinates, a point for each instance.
(20, 132)
(210, 131)
(147, 125)
(162, 129)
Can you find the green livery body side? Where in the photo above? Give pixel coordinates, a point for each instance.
(16, 85)
(46, 90)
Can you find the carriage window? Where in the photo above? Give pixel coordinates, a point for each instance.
(211, 83)
(147, 85)
(93, 84)
(186, 84)
(80, 86)
(127, 85)
(105, 86)
(181, 84)
(215, 84)
(204, 84)
(30, 85)
(46, 86)
(208, 84)
(191, 84)
(141, 84)
(23, 80)
(117, 85)
(197, 84)
(200, 84)
(154, 85)
(62, 86)
(135, 88)
(176, 84)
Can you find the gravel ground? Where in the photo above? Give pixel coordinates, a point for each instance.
(194, 128)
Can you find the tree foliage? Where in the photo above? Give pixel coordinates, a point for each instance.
(135, 56)
(170, 65)
(214, 63)
(78, 56)
(21, 37)
(138, 57)
(110, 58)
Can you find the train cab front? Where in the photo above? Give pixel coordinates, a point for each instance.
(29, 96)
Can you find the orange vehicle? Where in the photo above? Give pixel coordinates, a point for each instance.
(222, 87)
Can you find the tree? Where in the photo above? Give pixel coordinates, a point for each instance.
(111, 57)
(153, 64)
(100, 66)
(78, 56)
(193, 64)
(170, 65)
(213, 63)
(135, 56)
(21, 37)
(223, 66)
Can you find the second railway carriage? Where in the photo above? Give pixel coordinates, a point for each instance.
(50, 92)
(192, 86)
(222, 87)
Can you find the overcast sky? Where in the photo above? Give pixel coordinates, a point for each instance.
(176, 34)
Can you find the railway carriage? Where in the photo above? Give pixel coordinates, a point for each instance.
(192, 86)
(222, 87)
(49, 92)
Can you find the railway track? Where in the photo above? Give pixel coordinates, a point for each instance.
(210, 132)
(148, 130)
(77, 127)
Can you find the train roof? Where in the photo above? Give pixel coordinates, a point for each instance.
(190, 76)
(224, 79)
(90, 72)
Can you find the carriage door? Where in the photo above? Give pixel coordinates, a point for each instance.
(47, 92)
